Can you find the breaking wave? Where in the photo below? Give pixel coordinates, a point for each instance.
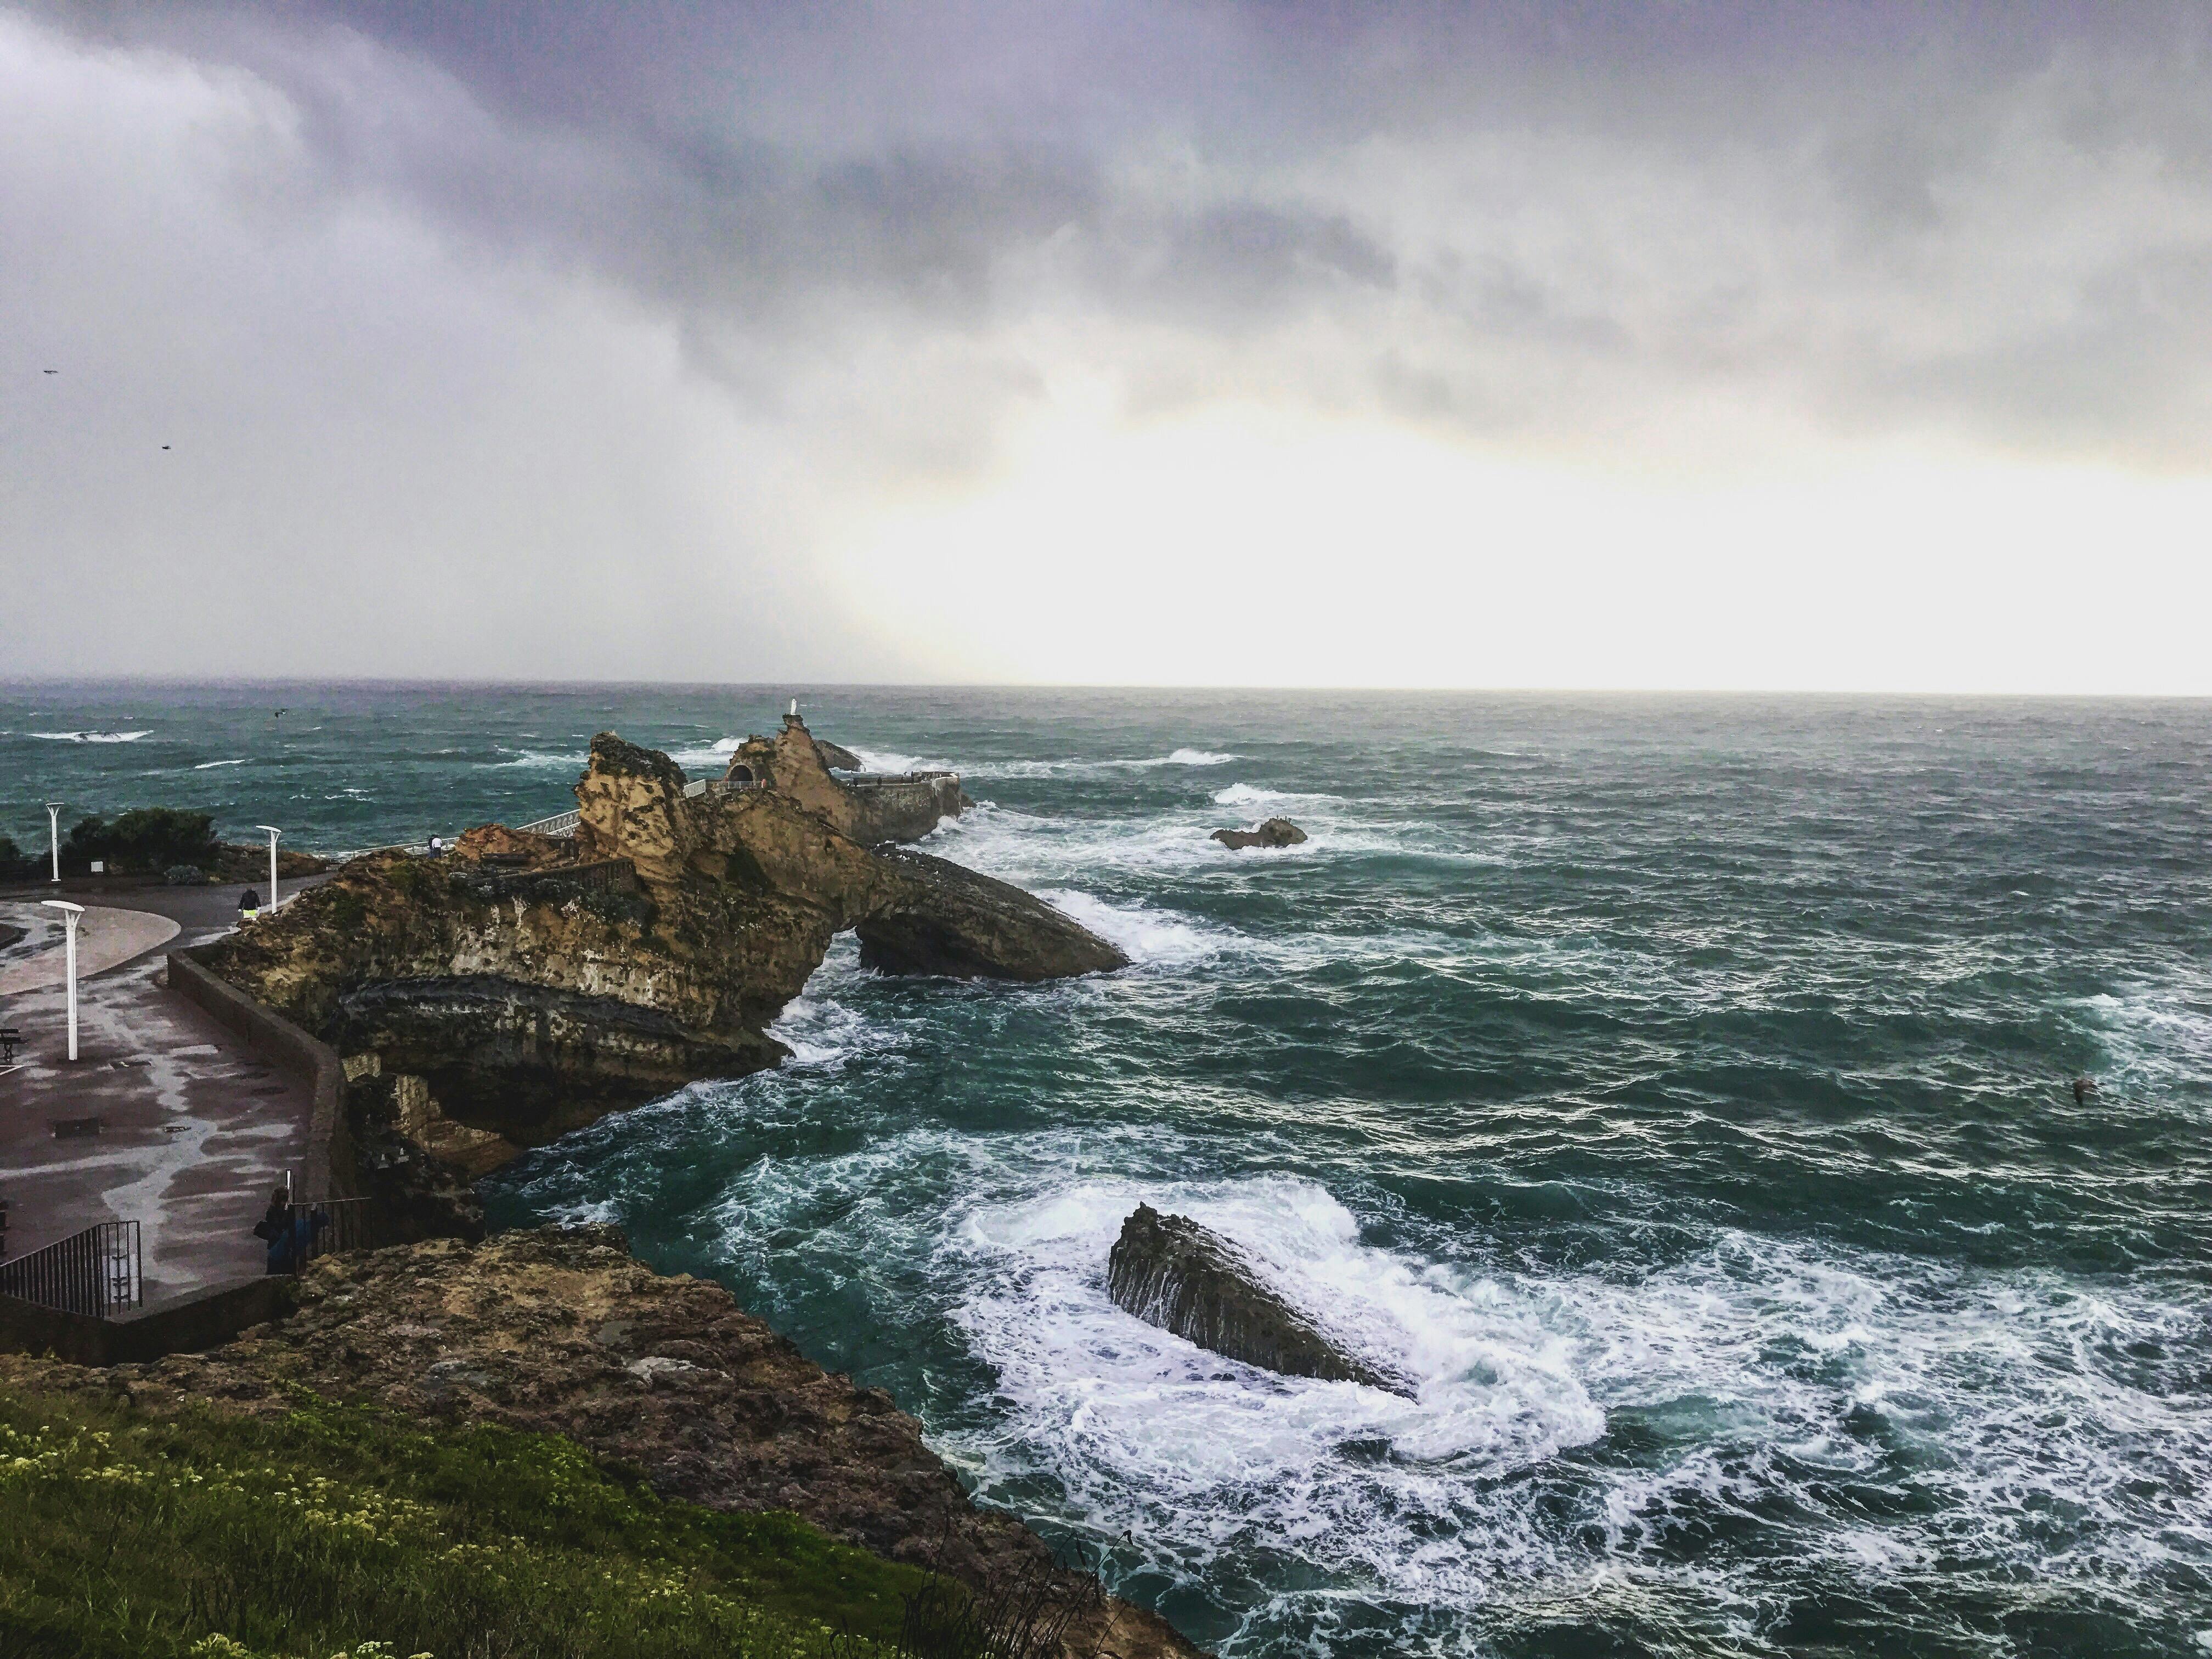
(91, 736)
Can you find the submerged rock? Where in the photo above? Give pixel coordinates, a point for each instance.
(1172, 1272)
(1274, 832)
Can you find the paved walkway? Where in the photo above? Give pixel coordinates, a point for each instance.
(192, 1127)
(105, 938)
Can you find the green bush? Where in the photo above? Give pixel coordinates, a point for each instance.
(16, 865)
(336, 1531)
(146, 840)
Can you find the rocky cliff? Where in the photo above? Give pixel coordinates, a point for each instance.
(525, 985)
(870, 808)
(666, 1379)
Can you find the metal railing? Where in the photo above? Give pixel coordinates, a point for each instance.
(336, 1224)
(560, 823)
(96, 1272)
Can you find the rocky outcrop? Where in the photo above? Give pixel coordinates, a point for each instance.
(836, 757)
(1170, 1271)
(527, 985)
(796, 763)
(662, 1379)
(932, 916)
(1273, 832)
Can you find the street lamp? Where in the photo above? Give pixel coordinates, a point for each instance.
(69, 914)
(54, 835)
(273, 832)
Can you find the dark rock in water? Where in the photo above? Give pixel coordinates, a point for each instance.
(836, 757)
(932, 916)
(1275, 832)
(1172, 1272)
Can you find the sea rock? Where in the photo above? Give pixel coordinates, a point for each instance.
(529, 984)
(559, 1331)
(836, 757)
(932, 916)
(1170, 1271)
(796, 763)
(1273, 832)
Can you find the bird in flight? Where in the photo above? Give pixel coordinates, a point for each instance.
(50, 371)
(165, 446)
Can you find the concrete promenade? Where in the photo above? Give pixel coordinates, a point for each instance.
(166, 1118)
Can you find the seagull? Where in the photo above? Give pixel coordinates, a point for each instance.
(278, 715)
(50, 371)
(165, 446)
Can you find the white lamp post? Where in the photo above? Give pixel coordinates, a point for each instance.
(273, 832)
(69, 914)
(54, 834)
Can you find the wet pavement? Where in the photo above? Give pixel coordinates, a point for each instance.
(166, 1118)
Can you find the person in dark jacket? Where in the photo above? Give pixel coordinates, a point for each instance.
(249, 905)
(276, 1227)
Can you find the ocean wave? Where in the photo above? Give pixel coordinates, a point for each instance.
(567, 757)
(1763, 1381)
(716, 753)
(1146, 935)
(209, 766)
(91, 736)
(1076, 768)
(886, 760)
(1247, 795)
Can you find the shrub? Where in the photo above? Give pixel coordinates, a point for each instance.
(144, 840)
(16, 865)
(185, 875)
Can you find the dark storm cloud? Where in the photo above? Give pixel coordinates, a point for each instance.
(879, 234)
(750, 167)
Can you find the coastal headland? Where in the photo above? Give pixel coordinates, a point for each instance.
(531, 983)
(525, 983)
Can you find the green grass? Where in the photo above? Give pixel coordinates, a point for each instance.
(334, 1530)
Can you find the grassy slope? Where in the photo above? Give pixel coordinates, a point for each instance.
(122, 1533)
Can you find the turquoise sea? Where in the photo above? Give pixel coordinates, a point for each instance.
(1677, 1087)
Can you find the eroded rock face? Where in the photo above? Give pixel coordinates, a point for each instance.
(1273, 832)
(1172, 1272)
(531, 985)
(561, 1332)
(931, 916)
(796, 763)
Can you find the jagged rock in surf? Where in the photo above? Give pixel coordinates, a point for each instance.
(1170, 1271)
(490, 1001)
(836, 757)
(1274, 832)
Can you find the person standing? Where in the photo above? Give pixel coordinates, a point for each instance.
(249, 906)
(276, 1227)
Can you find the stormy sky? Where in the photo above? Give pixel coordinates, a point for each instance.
(1853, 346)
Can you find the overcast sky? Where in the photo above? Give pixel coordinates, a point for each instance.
(1806, 345)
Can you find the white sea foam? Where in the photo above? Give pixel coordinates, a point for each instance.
(1145, 934)
(716, 753)
(1073, 768)
(1247, 795)
(1772, 1373)
(91, 736)
(886, 760)
(543, 758)
(209, 766)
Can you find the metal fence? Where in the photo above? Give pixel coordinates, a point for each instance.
(95, 1271)
(337, 1224)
